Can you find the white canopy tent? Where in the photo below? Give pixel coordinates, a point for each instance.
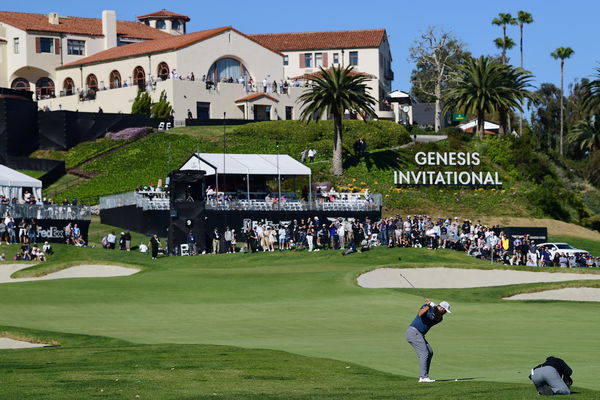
(12, 184)
(247, 164)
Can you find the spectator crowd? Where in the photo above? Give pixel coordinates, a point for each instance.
(418, 231)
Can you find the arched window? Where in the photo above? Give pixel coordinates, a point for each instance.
(175, 25)
(20, 84)
(162, 71)
(139, 77)
(68, 87)
(114, 79)
(226, 68)
(92, 82)
(160, 24)
(44, 88)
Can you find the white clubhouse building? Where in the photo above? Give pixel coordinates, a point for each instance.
(84, 64)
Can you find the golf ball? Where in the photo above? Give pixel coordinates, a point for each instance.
(456, 380)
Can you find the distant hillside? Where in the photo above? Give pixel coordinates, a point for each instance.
(533, 186)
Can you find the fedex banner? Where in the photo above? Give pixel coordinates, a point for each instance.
(53, 230)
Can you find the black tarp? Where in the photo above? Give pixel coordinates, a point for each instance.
(61, 130)
(18, 123)
(53, 169)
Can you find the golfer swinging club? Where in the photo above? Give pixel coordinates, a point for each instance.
(428, 316)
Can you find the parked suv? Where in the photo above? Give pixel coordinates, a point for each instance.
(561, 248)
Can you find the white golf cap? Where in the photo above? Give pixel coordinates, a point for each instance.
(446, 306)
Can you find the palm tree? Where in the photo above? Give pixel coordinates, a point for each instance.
(504, 44)
(482, 86)
(331, 92)
(586, 134)
(503, 20)
(562, 53)
(591, 99)
(524, 18)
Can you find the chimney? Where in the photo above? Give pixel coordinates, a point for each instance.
(109, 28)
(53, 18)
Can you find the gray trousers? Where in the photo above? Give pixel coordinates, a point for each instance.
(545, 377)
(423, 349)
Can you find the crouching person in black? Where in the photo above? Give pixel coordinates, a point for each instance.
(552, 377)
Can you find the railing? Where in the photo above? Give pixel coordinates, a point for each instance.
(118, 200)
(46, 211)
(326, 202)
(315, 205)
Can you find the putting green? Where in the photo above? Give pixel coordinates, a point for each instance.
(310, 304)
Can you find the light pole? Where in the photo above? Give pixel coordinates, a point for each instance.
(224, 152)
(278, 177)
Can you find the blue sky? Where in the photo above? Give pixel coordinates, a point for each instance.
(572, 23)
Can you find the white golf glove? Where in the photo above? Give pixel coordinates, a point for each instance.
(431, 304)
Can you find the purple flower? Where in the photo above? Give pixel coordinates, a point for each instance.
(128, 133)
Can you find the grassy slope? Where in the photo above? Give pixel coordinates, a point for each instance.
(309, 304)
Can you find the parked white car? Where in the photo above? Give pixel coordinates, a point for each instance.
(561, 248)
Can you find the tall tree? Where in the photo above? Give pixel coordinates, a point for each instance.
(436, 54)
(592, 96)
(562, 53)
(504, 44)
(330, 93)
(503, 20)
(586, 135)
(545, 115)
(523, 17)
(483, 86)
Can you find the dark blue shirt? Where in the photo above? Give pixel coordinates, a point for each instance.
(426, 321)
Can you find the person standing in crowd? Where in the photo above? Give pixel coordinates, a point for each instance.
(233, 242)
(154, 245)
(189, 114)
(552, 377)
(216, 239)
(228, 238)
(303, 154)
(311, 155)
(127, 240)
(429, 315)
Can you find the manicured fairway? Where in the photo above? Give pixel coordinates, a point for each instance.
(310, 305)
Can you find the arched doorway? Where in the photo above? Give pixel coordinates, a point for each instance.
(92, 82)
(139, 77)
(162, 71)
(44, 88)
(20, 84)
(115, 79)
(226, 68)
(68, 87)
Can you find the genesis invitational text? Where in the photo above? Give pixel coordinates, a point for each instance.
(447, 178)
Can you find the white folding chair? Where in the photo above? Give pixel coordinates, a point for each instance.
(168, 126)
(161, 126)
(184, 249)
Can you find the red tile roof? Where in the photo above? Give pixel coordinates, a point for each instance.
(170, 43)
(78, 26)
(321, 40)
(164, 14)
(256, 96)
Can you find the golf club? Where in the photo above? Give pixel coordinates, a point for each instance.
(418, 291)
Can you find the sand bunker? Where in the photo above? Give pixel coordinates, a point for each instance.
(80, 271)
(455, 278)
(7, 343)
(567, 294)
